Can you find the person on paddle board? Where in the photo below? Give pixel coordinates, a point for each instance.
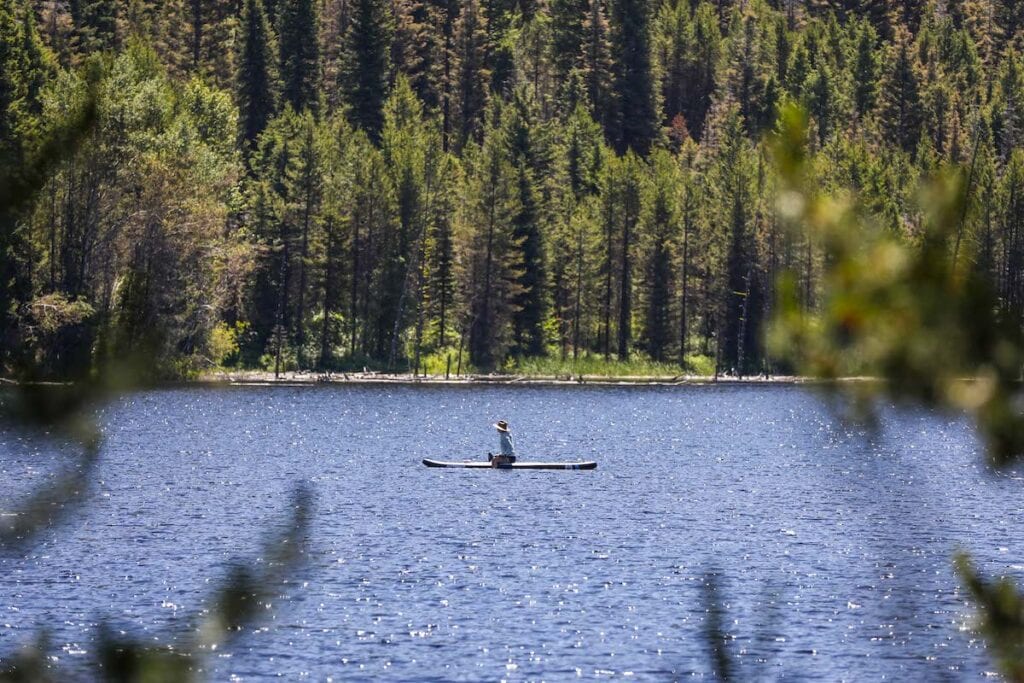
(507, 456)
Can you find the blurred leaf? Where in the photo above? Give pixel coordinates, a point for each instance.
(896, 308)
(250, 588)
(1001, 616)
(29, 665)
(47, 507)
(714, 629)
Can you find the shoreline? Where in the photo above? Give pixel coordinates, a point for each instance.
(296, 379)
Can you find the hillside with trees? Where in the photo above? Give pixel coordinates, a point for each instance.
(326, 184)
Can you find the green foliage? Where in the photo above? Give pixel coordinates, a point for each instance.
(911, 315)
(300, 54)
(635, 117)
(353, 231)
(595, 365)
(364, 78)
(256, 81)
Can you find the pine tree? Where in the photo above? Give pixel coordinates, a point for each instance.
(901, 99)
(636, 124)
(212, 25)
(823, 102)
(499, 21)
(12, 90)
(734, 196)
(567, 35)
(372, 241)
(447, 12)
(366, 68)
(96, 25)
(406, 146)
(865, 71)
(1012, 110)
(300, 54)
(470, 75)
(672, 45)
(491, 258)
(521, 132)
(1010, 203)
(660, 226)
(621, 198)
(750, 72)
(597, 65)
(419, 46)
(702, 69)
(37, 64)
(256, 82)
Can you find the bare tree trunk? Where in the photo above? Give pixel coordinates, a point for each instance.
(684, 331)
(300, 331)
(326, 326)
(354, 294)
(742, 341)
(282, 305)
(609, 257)
(412, 267)
(579, 297)
(626, 292)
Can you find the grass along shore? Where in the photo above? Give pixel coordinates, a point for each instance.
(552, 369)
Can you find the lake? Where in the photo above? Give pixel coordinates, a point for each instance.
(830, 544)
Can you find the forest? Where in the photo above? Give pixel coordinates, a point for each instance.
(333, 184)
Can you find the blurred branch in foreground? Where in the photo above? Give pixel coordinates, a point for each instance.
(897, 309)
(63, 412)
(1002, 617)
(920, 323)
(245, 594)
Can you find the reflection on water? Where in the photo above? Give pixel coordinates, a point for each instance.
(831, 547)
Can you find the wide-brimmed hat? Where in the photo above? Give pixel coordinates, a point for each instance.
(501, 426)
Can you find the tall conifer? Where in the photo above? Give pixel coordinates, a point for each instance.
(471, 74)
(901, 98)
(366, 66)
(636, 124)
(256, 82)
(300, 54)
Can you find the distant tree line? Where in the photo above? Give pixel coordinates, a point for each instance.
(321, 184)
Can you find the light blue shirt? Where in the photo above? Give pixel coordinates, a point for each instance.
(507, 447)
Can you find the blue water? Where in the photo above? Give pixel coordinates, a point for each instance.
(830, 545)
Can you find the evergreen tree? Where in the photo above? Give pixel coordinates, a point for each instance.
(212, 27)
(418, 49)
(300, 54)
(256, 81)
(865, 73)
(406, 143)
(1012, 110)
(636, 117)
(672, 45)
(823, 102)
(520, 130)
(735, 197)
(491, 257)
(702, 68)
(749, 72)
(1010, 203)
(901, 99)
(621, 196)
(660, 228)
(1009, 19)
(597, 65)
(567, 35)
(365, 69)
(470, 74)
(96, 24)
